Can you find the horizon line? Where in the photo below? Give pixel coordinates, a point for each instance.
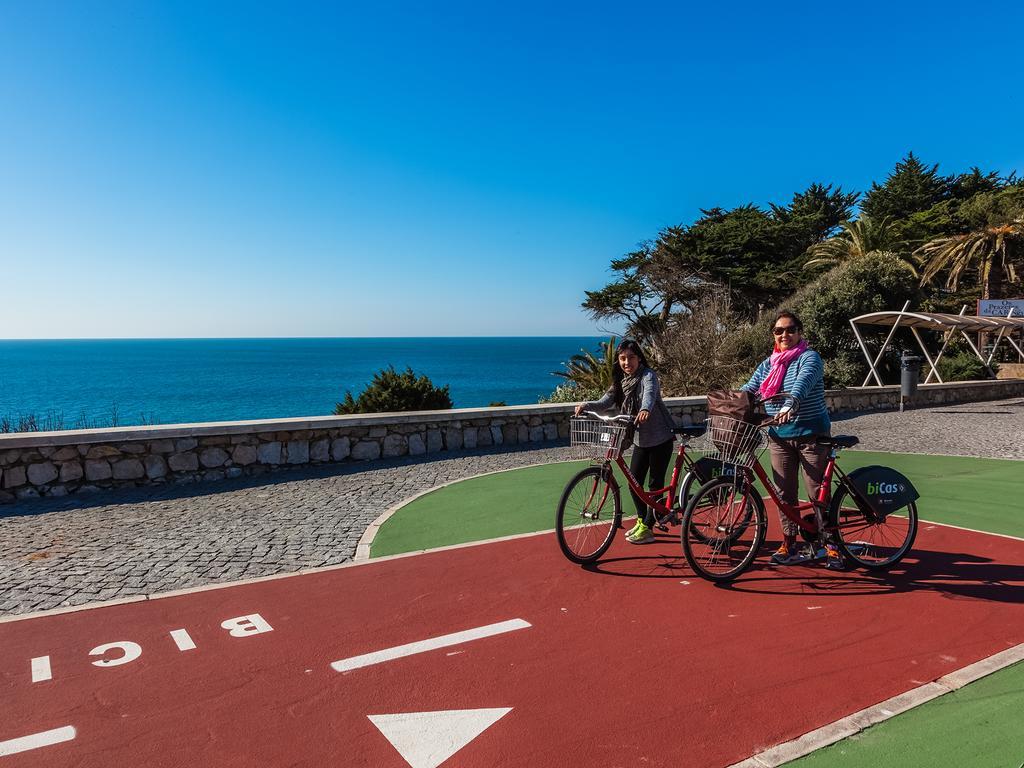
(284, 338)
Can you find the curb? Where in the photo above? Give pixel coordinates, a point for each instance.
(885, 710)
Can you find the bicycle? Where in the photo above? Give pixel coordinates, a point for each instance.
(590, 510)
(863, 518)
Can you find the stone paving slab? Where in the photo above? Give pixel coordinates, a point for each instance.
(77, 550)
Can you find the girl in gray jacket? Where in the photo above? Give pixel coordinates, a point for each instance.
(635, 391)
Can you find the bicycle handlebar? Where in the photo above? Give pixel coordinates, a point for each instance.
(621, 417)
(780, 397)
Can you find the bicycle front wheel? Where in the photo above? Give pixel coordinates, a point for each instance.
(723, 528)
(870, 540)
(589, 514)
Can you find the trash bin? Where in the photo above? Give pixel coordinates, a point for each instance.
(910, 371)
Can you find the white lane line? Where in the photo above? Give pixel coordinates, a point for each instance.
(421, 646)
(41, 669)
(36, 740)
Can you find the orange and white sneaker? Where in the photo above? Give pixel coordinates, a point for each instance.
(787, 555)
(833, 558)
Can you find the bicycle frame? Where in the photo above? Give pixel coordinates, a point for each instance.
(794, 512)
(650, 498)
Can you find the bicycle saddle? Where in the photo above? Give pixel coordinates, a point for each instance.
(843, 441)
(690, 431)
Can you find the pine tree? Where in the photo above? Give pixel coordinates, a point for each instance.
(912, 187)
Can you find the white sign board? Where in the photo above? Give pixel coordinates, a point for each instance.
(1000, 307)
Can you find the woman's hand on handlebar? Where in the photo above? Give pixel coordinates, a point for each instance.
(642, 417)
(784, 416)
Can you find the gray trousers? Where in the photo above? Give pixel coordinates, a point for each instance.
(789, 456)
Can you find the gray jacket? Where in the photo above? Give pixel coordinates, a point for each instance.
(658, 427)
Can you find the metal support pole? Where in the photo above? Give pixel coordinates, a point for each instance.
(867, 357)
(980, 356)
(885, 344)
(926, 357)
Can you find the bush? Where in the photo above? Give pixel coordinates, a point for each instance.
(962, 365)
(698, 352)
(873, 283)
(391, 391)
(572, 393)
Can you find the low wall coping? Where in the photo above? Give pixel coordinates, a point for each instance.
(203, 429)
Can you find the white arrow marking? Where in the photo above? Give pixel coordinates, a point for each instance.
(368, 659)
(36, 740)
(427, 739)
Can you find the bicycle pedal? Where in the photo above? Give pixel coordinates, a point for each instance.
(661, 527)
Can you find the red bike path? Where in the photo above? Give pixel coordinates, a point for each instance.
(636, 662)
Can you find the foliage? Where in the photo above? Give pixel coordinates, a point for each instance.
(994, 248)
(964, 231)
(876, 282)
(872, 284)
(911, 188)
(572, 393)
(695, 354)
(391, 391)
(497, 404)
(963, 365)
(589, 371)
(857, 239)
(756, 254)
(55, 421)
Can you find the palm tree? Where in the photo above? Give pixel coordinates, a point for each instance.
(857, 239)
(589, 371)
(993, 250)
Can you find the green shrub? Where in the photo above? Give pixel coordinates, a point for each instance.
(497, 404)
(572, 393)
(962, 365)
(391, 391)
(873, 283)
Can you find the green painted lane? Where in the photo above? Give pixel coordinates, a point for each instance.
(985, 494)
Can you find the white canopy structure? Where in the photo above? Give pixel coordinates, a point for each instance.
(949, 325)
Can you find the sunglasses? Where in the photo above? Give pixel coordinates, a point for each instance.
(790, 329)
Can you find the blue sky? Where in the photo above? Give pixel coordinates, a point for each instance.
(184, 169)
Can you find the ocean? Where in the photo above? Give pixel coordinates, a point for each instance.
(170, 381)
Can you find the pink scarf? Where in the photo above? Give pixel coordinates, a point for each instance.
(780, 361)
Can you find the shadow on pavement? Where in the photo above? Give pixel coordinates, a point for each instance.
(958, 575)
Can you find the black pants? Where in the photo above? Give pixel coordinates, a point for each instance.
(652, 460)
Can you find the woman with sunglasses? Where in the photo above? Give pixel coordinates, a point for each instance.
(635, 391)
(795, 368)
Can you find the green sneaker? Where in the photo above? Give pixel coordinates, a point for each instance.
(643, 535)
(632, 531)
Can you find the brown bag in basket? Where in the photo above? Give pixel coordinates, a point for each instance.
(736, 404)
(725, 404)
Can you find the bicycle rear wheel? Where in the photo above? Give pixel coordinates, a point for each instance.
(872, 541)
(723, 528)
(589, 514)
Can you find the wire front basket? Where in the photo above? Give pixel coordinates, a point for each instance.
(592, 439)
(733, 442)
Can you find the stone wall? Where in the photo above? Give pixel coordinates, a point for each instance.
(84, 461)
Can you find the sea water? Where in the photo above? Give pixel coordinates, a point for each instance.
(169, 381)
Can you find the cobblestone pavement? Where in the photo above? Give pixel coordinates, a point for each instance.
(72, 551)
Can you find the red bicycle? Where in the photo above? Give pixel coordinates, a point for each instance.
(590, 510)
(871, 517)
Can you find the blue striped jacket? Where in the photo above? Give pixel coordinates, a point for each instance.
(805, 380)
